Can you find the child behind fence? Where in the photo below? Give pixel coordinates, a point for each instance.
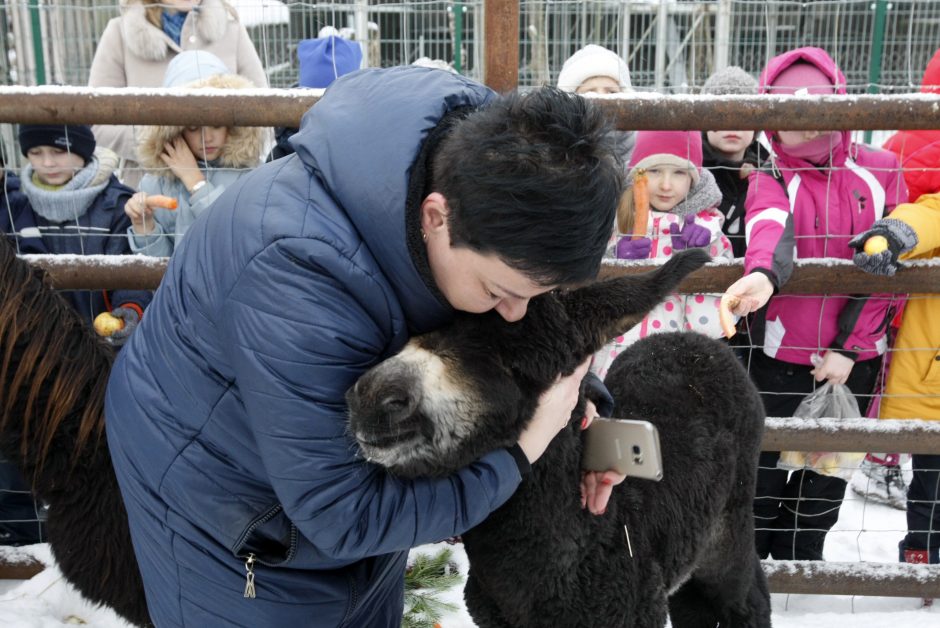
(820, 190)
(67, 201)
(192, 165)
(880, 477)
(682, 213)
(912, 390)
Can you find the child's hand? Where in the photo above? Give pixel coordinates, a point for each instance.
(690, 235)
(181, 161)
(899, 238)
(835, 368)
(752, 292)
(140, 213)
(634, 249)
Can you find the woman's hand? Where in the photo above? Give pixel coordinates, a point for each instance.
(553, 413)
(181, 161)
(597, 486)
(140, 213)
(835, 368)
(752, 291)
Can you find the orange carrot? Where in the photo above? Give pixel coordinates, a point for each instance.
(641, 204)
(159, 200)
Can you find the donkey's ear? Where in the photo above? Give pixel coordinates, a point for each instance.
(606, 309)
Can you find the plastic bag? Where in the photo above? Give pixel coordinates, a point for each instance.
(828, 401)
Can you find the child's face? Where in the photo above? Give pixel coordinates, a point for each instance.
(205, 142)
(731, 144)
(54, 165)
(668, 186)
(599, 85)
(795, 138)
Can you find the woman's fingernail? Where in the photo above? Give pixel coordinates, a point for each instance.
(606, 481)
(584, 423)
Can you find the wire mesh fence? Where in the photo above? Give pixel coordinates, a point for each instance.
(669, 46)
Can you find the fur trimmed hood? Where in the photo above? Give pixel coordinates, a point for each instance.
(242, 149)
(210, 19)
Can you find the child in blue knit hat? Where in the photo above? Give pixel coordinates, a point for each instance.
(322, 61)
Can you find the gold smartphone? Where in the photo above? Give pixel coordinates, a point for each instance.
(629, 447)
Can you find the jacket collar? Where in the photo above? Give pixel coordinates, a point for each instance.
(209, 19)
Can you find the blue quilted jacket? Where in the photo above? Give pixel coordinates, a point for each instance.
(226, 412)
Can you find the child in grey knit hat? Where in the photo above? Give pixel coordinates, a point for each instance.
(732, 155)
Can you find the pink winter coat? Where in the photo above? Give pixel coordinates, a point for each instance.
(815, 216)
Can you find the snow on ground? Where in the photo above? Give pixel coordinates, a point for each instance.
(864, 532)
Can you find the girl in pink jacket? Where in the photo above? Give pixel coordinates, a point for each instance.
(819, 190)
(683, 213)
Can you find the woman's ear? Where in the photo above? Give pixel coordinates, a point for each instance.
(434, 212)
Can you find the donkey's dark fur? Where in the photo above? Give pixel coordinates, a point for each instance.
(53, 374)
(541, 560)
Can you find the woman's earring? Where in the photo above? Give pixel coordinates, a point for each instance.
(424, 235)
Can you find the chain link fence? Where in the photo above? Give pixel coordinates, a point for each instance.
(670, 45)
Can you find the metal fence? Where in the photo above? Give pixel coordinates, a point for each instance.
(670, 45)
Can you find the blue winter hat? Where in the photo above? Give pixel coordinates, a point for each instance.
(325, 59)
(190, 66)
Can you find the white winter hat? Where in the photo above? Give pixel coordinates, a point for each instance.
(593, 60)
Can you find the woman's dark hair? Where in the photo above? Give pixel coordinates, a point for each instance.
(534, 179)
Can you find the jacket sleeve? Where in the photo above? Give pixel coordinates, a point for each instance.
(768, 229)
(119, 244)
(108, 70)
(303, 322)
(924, 218)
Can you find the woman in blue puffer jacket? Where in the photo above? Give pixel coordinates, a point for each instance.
(413, 193)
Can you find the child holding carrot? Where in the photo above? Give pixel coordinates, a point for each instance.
(670, 205)
(75, 205)
(187, 167)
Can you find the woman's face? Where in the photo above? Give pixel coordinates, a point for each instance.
(668, 186)
(54, 165)
(474, 282)
(205, 142)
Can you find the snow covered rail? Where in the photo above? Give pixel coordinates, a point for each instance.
(829, 578)
(284, 107)
(810, 276)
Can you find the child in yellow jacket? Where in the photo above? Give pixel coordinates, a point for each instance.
(912, 389)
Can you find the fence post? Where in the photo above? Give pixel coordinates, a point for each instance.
(877, 49)
(501, 41)
(722, 35)
(36, 33)
(458, 37)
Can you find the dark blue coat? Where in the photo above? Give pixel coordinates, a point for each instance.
(101, 230)
(15, 215)
(226, 412)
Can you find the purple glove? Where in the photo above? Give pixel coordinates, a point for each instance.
(634, 249)
(691, 235)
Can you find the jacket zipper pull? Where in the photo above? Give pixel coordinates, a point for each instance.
(250, 576)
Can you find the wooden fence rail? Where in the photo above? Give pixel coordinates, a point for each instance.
(284, 107)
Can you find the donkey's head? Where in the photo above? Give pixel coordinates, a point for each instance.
(452, 395)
